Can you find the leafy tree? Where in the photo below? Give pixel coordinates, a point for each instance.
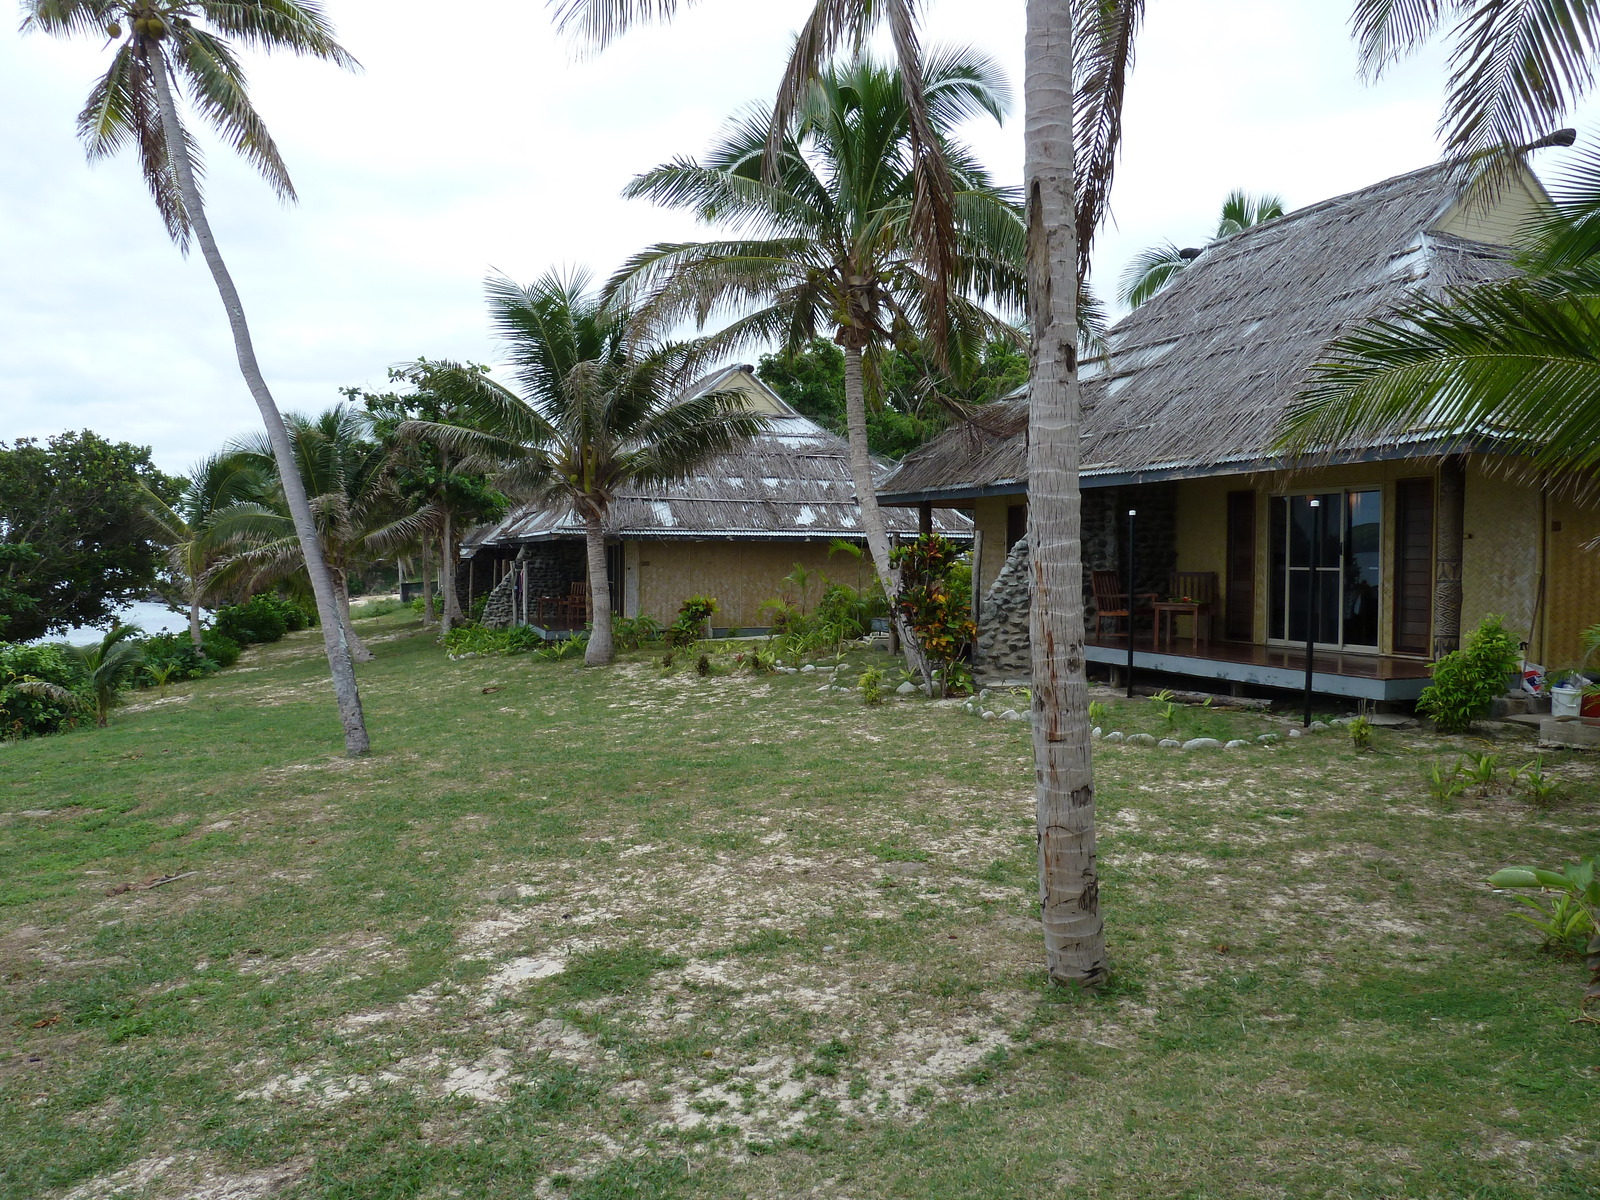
(916, 399)
(1158, 266)
(166, 51)
(73, 545)
(827, 245)
(428, 476)
(599, 410)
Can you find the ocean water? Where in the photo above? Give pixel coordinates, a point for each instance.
(152, 618)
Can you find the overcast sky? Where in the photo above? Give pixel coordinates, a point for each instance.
(482, 143)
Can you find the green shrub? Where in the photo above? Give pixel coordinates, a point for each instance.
(1466, 681)
(176, 655)
(632, 633)
(259, 619)
(871, 685)
(220, 648)
(375, 608)
(42, 690)
(475, 639)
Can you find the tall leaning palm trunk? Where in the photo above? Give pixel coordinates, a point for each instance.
(343, 670)
(1069, 889)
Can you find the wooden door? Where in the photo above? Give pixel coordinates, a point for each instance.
(1239, 618)
(1413, 566)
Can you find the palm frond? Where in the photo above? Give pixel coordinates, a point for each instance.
(1103, 51)
(215, 83)
(1150, 271)
(298, 26)
(599, 22)
(1517, 362)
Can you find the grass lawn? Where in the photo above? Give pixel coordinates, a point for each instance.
(629, 933)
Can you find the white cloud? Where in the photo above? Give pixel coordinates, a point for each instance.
(482, 142)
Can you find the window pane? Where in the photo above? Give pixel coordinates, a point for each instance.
(1363, 569)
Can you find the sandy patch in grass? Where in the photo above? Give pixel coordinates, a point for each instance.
(174, 1178)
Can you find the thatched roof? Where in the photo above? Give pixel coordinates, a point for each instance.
(1200, 375)
(790, 483)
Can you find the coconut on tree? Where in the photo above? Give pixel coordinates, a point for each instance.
(173, 57)
(598, 407)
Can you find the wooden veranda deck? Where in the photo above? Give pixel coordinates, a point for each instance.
(1359, 676)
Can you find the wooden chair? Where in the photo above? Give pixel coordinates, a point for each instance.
(1110, 601)
(575, 605)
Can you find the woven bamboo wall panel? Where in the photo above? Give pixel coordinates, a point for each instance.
(1500, 554)
(741, 575)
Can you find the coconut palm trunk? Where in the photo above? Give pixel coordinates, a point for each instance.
(450, 610)
(358, 648)
(872, 524)
(1069, 891)
(333, 629)
(195, 634)
(599, 651)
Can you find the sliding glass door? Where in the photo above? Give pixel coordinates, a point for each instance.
(1343, 551)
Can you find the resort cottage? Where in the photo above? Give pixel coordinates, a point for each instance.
(1421, 535)
(732, 530)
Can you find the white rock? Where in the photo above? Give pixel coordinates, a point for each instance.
(808, 668)
(1296, 731)
(1095, 732)
(1140, 739)
(906, 688)
(1266, 739)
(1317, 727)
(1202, 744)
(984, 694)
(988, 714)
(1114, 736)
(1011, 714)
(827, 687)
(1170, 744)
(1235, 744)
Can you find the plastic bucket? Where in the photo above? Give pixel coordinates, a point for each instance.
(1565, 700)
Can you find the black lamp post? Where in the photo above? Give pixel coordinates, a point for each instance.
(1132, 513)
(1311, 601)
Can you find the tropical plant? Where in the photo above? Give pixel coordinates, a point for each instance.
(166, 50)
(220, 503)
(827, 244)
(1153, 269)
(428, 478)
(1361, 732)
(600, 409)
(1482, 769)
(1540, 787)
(871, 685)
(1078, 54)
(1568, 910)
(1445, 785)
(41, 690)
(632, 633)
(108, 668)
(175, 656)
(1466, 681)
(359, 516)
(924, 602)
(1097, 712)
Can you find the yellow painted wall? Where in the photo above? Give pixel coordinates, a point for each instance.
(741, 575)
(989, 519)
(1497, 219)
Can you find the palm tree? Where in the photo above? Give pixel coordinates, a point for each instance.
(1158, 266)
(358, 515)
(165, 47)
(221, 501)
(1078, 56)
(430, 479)
(828, 245)
(108, 666)
(598, 412)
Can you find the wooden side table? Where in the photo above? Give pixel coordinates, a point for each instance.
(1167, 613)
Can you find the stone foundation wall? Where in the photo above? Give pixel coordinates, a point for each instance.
(1002, 650)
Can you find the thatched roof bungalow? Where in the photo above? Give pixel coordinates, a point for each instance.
(1179, 424)
(731, 530)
